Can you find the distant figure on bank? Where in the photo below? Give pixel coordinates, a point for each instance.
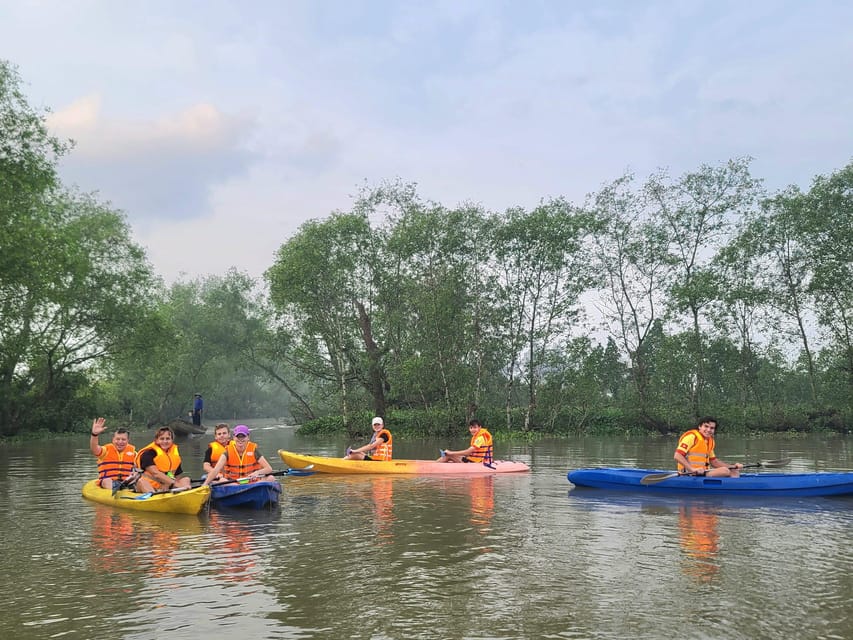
(241, 460)
(480, 449)
(380, 446)
(221, 438)
(115, 460)
(198, 409)
(695, 452)
(160, 462)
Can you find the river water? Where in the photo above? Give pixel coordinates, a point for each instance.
(517, 556)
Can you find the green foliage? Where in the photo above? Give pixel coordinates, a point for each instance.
(707, 297)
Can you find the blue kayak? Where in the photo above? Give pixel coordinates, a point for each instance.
(748, 484)
(253, 495)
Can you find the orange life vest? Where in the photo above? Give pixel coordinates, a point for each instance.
(697, 450)
(384, 450)
(216, 450)
(165, 462)
(483, 452)
(115, 464)
(239, 466)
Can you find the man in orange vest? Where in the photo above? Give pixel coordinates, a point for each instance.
(695, 453)
(115, 460)
(160, 462)
(480, 449)
(221, 438)
(241, 460)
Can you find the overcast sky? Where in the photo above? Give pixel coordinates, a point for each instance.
(219, 127)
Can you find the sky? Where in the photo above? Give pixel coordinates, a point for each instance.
(219, 127)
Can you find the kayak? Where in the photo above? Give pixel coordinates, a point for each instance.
(253, 495)
(190, 501)
(418, 467)
(748, 484)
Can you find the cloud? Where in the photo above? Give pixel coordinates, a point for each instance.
(161, 168)
(219, 137)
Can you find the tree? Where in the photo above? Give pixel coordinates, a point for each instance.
(73, 307)
(695, 214)
(441, 345)
(324, 278)
(631, 257)
(545, 267)
(826, 225)
(739, 309)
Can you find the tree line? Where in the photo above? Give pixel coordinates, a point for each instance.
(651, 302)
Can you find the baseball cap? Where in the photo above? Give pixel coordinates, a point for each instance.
(377, 420)
(241, 430)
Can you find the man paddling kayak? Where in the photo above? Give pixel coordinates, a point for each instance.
(695, 453)
(480, 449)
(241, 460)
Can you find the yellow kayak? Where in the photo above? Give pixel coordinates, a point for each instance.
(418, 467)
(190, 501)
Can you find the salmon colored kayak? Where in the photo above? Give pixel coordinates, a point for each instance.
(415, 467)
(190, 501)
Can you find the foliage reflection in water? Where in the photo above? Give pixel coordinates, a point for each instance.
(405, 557)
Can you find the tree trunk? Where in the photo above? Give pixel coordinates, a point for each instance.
(375, 374)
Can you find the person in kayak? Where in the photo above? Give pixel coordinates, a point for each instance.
(480, 449)
(241, 460)
(115, 460)
(380, 446)
(160, 463)
(221, 438)
(695, 453)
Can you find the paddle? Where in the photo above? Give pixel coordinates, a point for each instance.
(124, 484)
(654, 478)
(302, 471)
(145, 496)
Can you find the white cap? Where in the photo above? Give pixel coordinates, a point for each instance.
(377, 420)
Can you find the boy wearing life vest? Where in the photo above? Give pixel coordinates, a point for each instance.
(160, 463)
(380, 446)
(695, 453)
(241, 460)
(116, 459)
(480, 449)
(221, 438)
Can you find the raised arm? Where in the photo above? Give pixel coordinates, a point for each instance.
(98, 426)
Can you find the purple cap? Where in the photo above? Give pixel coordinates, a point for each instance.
(241, 430)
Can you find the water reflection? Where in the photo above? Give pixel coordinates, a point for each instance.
(113, 537)
(482, 502)
(382, 497)
(699, 535)
(593, 564)
(235, 552)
